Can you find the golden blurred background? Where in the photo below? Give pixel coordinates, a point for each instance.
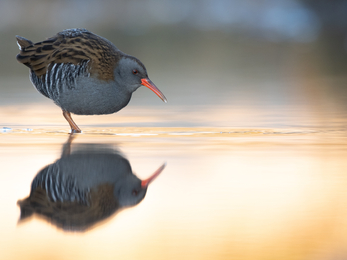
(279, 57)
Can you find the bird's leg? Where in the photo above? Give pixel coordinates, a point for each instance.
(74, 127)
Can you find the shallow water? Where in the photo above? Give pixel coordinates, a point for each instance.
(255, 163)
(226, 193)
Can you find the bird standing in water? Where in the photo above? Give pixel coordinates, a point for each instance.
(83, 73)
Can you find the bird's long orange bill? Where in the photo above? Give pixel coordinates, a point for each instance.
(145, 183)
(149, 84)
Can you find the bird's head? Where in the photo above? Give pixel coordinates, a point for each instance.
(131, 74)
(131, 190)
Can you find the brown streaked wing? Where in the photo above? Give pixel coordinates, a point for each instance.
(103, 55)
(71, 215)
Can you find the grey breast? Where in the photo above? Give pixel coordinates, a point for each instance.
(73, 89)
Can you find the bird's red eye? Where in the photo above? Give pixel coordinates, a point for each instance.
(135, 72)
(134, 192)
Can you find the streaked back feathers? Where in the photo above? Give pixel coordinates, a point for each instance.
(73, 46)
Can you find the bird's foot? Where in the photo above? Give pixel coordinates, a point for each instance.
(76, 131)
(74, 127)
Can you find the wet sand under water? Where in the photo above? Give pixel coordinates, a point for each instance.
(226, 193)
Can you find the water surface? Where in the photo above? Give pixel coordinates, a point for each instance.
(226, 193)
(254, 143)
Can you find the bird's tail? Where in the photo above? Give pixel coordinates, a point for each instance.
(24, 56)
(23, 43)
(26, 210)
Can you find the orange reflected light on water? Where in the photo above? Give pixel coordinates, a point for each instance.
(241, 201)
(47, 114)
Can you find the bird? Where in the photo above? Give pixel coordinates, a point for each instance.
(84, 187)
(83, 73)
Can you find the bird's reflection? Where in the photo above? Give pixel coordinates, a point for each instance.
(84, 187)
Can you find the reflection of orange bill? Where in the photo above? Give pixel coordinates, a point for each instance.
(145, 183)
